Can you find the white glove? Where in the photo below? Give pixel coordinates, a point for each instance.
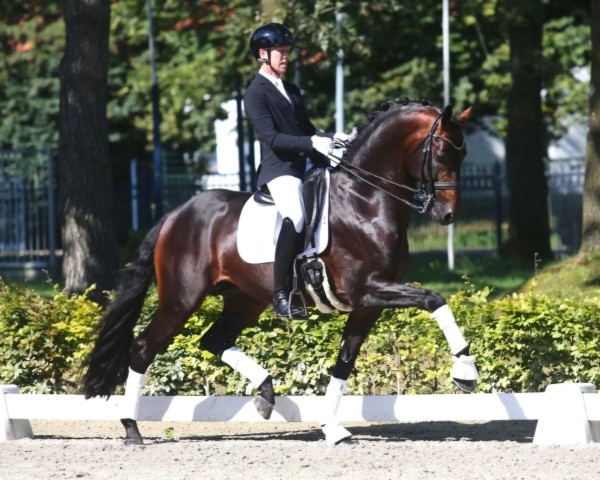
(346, 137)
(322, 145)
(341, 136)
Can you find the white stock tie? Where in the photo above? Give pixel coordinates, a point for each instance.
(279, 85)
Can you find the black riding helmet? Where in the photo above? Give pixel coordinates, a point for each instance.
(268, 36)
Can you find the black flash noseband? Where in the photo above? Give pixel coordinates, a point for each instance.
(425, 190)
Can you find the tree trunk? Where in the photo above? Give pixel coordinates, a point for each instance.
(85, 189)
(529, 226)
(591, 190)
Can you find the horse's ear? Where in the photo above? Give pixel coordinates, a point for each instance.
(462, 117)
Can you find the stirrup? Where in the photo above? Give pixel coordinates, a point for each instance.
(303, 315)
(296, 292)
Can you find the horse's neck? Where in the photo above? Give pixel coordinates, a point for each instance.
(381, 164)
(369, 199)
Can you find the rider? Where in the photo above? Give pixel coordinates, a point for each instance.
(290, 145)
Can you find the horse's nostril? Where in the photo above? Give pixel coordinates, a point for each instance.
(448, 218)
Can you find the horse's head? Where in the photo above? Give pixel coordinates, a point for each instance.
(412, 152)
(437, 149)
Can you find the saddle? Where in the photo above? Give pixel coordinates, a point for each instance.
(314, 196)
(259, 227)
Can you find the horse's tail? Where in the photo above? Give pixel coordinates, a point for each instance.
(108, 364)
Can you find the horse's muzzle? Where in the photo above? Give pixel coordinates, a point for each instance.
(443, 213)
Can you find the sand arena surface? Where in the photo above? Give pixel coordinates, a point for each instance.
(295, 451)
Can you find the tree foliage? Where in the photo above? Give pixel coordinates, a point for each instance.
(391, 49)
(31, 39)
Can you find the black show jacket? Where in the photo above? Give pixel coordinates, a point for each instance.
(283, 128)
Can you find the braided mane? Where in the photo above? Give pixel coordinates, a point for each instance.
(384, 107)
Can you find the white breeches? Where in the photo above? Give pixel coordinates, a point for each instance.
(287, 195)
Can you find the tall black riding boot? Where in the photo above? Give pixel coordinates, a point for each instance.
(285, 251)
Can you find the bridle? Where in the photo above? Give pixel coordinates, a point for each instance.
(425, 191)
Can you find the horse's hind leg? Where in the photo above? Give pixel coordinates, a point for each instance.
(240, 311)
(172, 313)
(130, 407)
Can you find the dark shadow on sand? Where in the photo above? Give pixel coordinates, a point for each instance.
(521, 431)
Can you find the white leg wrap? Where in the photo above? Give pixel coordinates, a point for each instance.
(240, 362)
(447, 323)
(133, 395)
(333, 395)
(464, 368)
(334, 432)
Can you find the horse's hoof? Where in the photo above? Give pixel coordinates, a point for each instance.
(133, 441)
(467, 386)
(464, 372)
(132, 432)
(335, 434)
(263, 407)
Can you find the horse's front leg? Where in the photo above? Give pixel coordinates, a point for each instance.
(357, 328)
(464, 372)
(395, 295)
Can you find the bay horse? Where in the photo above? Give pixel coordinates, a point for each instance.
(407, 156)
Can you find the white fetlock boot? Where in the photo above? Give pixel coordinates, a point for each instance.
(464, 372)
(333, 430)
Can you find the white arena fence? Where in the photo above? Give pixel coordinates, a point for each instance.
(567, 413)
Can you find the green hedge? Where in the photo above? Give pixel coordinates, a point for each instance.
(43, 342)
(523, 343)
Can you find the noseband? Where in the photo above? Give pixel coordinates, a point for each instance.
(425, 191)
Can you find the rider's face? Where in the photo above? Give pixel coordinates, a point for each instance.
(279, 58)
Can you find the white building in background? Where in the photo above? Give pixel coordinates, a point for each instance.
(484, 146)
(226, 154)
(225, 160)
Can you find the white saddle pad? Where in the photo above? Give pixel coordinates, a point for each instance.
(259, 227)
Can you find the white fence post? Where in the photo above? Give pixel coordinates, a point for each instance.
(11, 429)
(564, 418)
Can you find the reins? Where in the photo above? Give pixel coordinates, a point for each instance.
(423, 196)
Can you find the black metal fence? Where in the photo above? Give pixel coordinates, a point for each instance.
(28, 219)
(481, 226)
(483, 223)
(27, 212)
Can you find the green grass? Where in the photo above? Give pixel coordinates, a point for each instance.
(572, 277)
(43, 288)
(503, 276)
(568, 277)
